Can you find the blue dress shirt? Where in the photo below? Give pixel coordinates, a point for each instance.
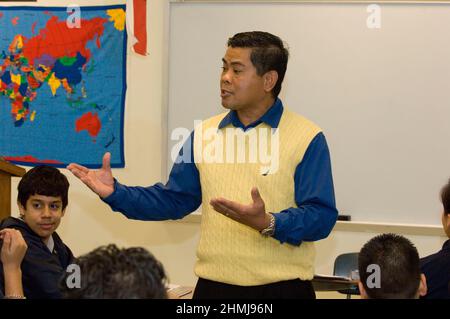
(312, 220)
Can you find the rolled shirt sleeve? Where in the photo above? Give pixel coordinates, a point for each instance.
(180, 196)
(316, 214)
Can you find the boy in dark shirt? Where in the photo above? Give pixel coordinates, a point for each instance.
(42, 200)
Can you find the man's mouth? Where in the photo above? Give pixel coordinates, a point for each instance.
(225, 93)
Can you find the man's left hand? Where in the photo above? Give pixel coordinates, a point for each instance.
(253, 215)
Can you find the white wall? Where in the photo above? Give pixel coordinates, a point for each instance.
(89, 223)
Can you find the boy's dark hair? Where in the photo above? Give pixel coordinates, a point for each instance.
(112, 273)
(398, 260)
(268, 53)
(445, 197)
(43, 180)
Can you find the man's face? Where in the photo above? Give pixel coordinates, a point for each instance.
(240, 86)
(42, 214)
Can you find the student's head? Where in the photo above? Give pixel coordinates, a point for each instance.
(253, 69)
(42, 199)
(445, 198)
(112, 273)
(389, 269)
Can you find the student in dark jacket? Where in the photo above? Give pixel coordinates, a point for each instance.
(436, 267)
(42, 200)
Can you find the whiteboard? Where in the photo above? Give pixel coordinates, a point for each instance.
(381, 96)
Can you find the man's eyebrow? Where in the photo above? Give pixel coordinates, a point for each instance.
(233, 63)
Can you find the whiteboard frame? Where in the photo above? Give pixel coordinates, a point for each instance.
(354, 226)
(317, 1)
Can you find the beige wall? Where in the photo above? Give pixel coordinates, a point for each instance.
(89, 223)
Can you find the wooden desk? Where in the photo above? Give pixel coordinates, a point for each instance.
(331, 284)
(7, 170)
(180, 292)
(319, 284)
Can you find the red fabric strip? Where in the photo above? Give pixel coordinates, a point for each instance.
(140, 26)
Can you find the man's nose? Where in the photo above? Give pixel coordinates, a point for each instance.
(225, 77)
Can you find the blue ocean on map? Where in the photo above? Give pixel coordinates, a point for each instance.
(62, 85)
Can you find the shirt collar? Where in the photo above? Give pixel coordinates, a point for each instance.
(51, 244)
(271, 117)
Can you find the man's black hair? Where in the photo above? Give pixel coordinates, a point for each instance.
(268, 53)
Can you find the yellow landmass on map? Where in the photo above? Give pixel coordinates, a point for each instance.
(54, 83)
(118, 16)
(15, 78)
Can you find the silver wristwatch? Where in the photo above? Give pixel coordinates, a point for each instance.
(270, 230)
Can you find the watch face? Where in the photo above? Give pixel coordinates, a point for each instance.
(267, 232)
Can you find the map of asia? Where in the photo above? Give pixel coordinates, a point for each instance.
(62, 85)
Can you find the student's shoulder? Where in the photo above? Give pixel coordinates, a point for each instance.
(11, 222)
(438, 259)
(18, 224)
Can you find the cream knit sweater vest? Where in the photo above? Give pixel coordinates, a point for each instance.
(229, 251)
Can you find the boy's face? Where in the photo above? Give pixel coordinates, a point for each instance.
(42, 214)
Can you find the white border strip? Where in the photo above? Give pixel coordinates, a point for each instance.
(317, 1)
(364, 227)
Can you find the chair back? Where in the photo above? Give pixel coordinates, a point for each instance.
(346, 265)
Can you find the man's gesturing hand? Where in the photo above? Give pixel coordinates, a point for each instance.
(253, 215)
(100, 181)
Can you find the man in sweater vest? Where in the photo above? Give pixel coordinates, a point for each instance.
(259, 221)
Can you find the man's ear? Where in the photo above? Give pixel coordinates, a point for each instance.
(270, 79)
(63, 212)
(422, 291)
(362, 291)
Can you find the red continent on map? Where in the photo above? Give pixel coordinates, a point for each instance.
(89, 122)
(31, 159)
(58, 40)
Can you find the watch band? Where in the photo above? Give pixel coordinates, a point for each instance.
(270, 230)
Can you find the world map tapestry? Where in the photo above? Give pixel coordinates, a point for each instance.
(62, 85)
